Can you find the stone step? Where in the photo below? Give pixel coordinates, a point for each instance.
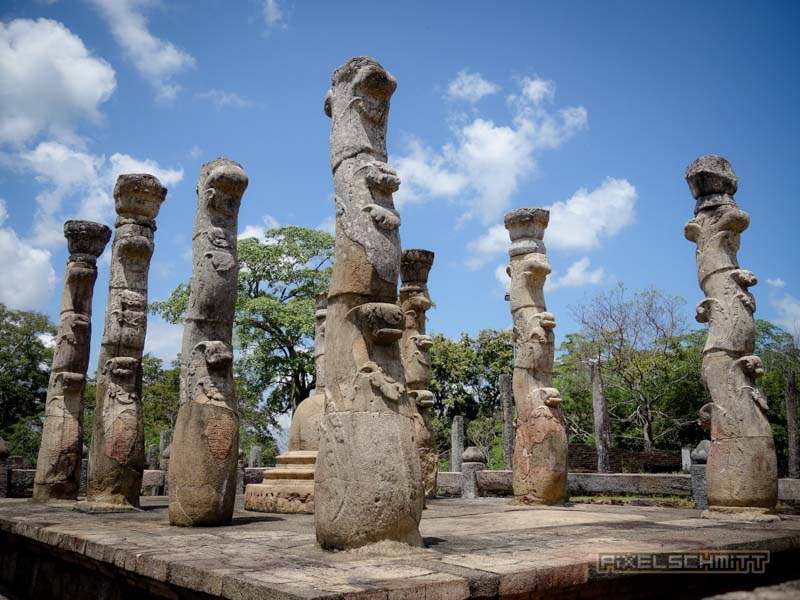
(297, 458)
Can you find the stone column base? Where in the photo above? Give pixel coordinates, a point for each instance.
(93, 507)
(287, 488)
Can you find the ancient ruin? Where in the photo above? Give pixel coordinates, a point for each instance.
(415, 301)
(205, 446)
(367, 482)
(58, 468)
(289, 486)
(741, 472)
(540, 447)
(116, 455)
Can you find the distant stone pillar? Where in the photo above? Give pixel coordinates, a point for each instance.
(602, 424)
(58, 468)
(368, 486)
(415, 344)
(507, 404)
(540, 449)
(203, 455)
(686, 459)
(742, 470)
(4, 471)
(151, 461)
(456, 443)
(240, 473)
(254, 460)
(116, 455)
(699, 456)
(164, 442)
(472, 462)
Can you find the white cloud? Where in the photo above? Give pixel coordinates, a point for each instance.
(501, 274)
(49, 81)
(156, 60)
(776, 283)
(222, 99)
(484, 164)
(580, 222)
(788, 310)
(577, 274)
(27, 275)
(491, 243)
(259, 231)
(536, 90)
(470, 87)
(163, 339)
(273, 14)
(195, 152)
(68, 173)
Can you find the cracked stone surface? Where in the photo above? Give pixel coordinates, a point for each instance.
(478, 548)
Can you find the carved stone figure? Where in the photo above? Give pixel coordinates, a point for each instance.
(540, 447)
(204, 451)
(58, 468)
(367, 482)
(116, 455)
(742, 467)
(415, 301)
(289, 486)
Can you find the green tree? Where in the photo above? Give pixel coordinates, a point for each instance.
(25, 359)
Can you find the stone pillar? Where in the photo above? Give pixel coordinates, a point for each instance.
(602, 423)
(699, 456)
(254, 460)
(507, 404)
(456, 443)
(4, 471)
(58, 468)
(742, 471)
(415, 344)
(240, 473)
(472, 462)
(540, 449)
(368, 485)
(152, 454)
(116, 455)
(164, 442)
(686, 459)
(203, 455)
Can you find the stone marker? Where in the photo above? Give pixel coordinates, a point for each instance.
(456, 443)
(507, 403)
(686, 459)
(152, 454)
(240, 467)
(58, 468)
(204, 451)
(699, 456)
(472, 461)
(164, 441)
(540, 449)
(367, 482)
(116, 454)
(254, 460)
(602, 423)
(742, 471)
(415, 344)
(288, 487)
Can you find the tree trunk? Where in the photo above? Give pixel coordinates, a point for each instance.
(647, 429)
(791, 423)
(602, 427)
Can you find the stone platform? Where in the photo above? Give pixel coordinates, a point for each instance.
(481, 548)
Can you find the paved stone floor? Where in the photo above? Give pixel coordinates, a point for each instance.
(477, 548)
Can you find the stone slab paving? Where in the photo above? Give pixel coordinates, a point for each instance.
(477, 548)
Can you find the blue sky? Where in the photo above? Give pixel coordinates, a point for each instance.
(593, 109)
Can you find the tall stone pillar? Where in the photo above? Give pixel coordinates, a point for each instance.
(368, 483)
(742, 472)
(116, 455)
(602, 423)
(58, 468)
(456, 443)
(205, 446)
(504, 383)
(540, 449)
(415, 301)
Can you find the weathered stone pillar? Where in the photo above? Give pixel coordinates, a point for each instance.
(4, 474)
(164, 442)
(540, 449)
(699, 457)
(742, 471)
(58, 468)
(507, 404)
(254, 460)
(368, 482)
(204, 452)
(415, 301)
(151, 460)
(456, 443)
(116, 455)
(602, 423)
(472, 462)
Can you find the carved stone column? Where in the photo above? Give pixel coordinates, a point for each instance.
(415, 302)
(58, 468)
(116, 456)
(540, 448)
(205, 445)
(742, 468)
(367, 484)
